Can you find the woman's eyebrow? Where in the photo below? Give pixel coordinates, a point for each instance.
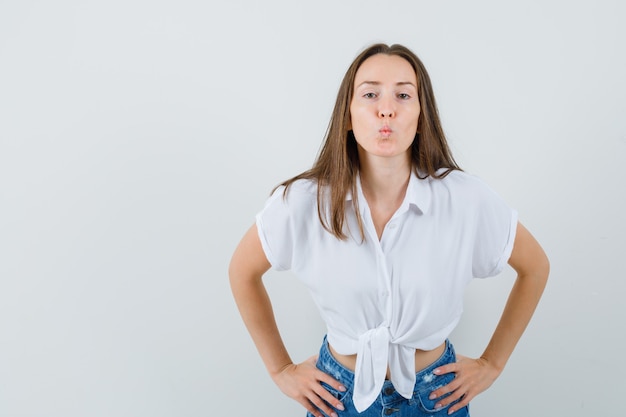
(406, 83)
(379, 83)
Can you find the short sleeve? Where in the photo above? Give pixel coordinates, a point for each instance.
(496, 224)
(275, 231)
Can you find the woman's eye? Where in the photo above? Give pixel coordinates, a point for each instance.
(369, 95)
(404, 96)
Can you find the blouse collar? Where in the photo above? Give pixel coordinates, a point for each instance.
(418, 194)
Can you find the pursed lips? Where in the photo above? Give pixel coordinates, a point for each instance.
(385, 131)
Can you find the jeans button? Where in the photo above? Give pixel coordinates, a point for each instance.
(388, 391)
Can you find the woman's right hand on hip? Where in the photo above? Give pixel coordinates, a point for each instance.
(302, 382)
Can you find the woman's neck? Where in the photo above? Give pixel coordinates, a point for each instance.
(384, 184)
(384, 181)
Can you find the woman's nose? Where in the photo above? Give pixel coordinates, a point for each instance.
(386, 109)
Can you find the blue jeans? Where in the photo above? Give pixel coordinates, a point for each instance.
(389, 402)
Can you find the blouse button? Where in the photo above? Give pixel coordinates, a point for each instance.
(392, 226)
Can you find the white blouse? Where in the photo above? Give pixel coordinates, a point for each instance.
(382, 299)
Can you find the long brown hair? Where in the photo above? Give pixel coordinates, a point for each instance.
(336, 167)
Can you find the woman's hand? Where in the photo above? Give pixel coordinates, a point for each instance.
(302, 382)
(473, 376)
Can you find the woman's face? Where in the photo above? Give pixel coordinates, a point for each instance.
(385, 108)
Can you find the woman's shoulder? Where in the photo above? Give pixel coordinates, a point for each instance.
(461, 180)
(464, 185)
(298, 189)
(296, 195)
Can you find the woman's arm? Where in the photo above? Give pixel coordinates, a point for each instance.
(299, 381)
(473, 376)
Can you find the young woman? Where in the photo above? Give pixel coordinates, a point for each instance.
(385, 230)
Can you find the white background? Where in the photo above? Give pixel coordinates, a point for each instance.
(139, 138)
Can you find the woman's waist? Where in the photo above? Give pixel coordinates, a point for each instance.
(423, 358)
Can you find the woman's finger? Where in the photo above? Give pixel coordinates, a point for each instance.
(329, 398)
(322, 405)
(327, 379)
